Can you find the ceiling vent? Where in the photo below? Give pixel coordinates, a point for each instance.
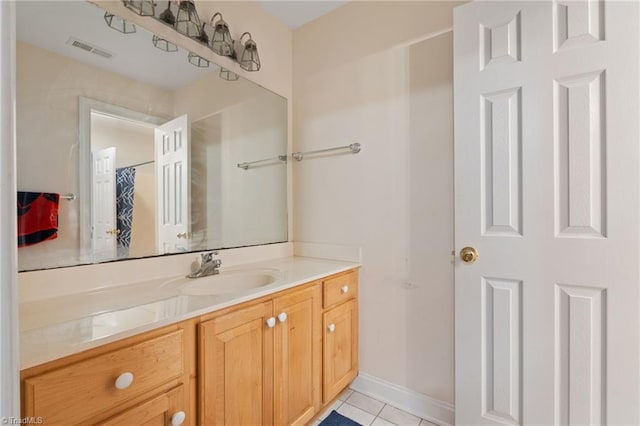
(88, 47)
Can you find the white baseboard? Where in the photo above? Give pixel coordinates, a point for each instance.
(410, 401)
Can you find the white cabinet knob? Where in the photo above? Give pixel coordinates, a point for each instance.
(344, 289)
(282, 317)
(124, 380)
(271, 322)
(178, 418)
(332, 328)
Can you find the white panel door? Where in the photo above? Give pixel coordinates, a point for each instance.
(103, 206)
(173, 178)
(547, 191)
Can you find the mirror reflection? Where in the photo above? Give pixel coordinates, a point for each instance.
(147, 140)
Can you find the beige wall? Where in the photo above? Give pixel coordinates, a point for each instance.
(250, 208)
(48, 87)
(383, 84)
(254, 200)
(211, 94)
(274, 40)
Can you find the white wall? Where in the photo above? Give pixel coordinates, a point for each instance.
(384, 87)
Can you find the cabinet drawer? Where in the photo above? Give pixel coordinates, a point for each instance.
(339, 288)
(158, 411)
(74, 394)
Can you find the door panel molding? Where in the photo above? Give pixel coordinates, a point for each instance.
(580, 147)
(502, 350)
(501, 141)
(581, 347)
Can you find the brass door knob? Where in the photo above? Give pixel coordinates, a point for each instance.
(469, 254)
(181, 235)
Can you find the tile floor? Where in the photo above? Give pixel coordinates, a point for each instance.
(371, 412)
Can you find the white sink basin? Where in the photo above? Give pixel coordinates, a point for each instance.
(226, 282)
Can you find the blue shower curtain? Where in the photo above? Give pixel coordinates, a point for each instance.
(125, 182)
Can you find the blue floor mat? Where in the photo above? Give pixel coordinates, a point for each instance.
(336, 419)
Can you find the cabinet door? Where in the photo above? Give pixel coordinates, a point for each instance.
(298, 352)
(340, 357)
(157, 411)
(236, 368)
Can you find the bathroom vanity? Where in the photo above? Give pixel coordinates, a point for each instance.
(271, 352)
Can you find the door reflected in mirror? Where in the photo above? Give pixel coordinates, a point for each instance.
(123, 183)
(148, 142)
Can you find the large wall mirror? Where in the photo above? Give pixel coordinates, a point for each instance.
(142, 144)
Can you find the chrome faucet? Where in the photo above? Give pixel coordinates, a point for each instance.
(208, 266)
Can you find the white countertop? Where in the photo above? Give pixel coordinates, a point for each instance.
(65, 325)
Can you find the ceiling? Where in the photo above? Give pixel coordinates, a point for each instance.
(297, 13)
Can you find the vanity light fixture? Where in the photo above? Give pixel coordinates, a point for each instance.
(187, 20)
(119, 24)
(221, 42)
(229, 75)
(197, 60)
(163, 44)
(250, 61)
(204, 37)
(141, 7)
(215, 34)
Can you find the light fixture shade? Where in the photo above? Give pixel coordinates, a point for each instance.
(141, 7)
(119, 24)
(187, 20)
(221, 42)
(250, 61)
(167, 15)
(198, 61)
(226, 74)
(163, 44)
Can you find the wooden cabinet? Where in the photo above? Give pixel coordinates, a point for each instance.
(275, 360)
(260, 364)
(298, 349)
(340, 334)
(236, 367)
(132, 378)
